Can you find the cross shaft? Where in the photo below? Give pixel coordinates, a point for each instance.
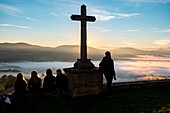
(83, 18)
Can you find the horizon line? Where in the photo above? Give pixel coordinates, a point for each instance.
(20, 42)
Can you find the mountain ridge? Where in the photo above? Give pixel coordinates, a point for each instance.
(27, 52)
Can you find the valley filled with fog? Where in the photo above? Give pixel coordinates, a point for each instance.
(142, 67)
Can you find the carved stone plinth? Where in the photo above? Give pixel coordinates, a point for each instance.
(84, 81)
(86, 64)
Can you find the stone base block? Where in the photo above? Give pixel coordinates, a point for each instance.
(84, 81)
(87, 64)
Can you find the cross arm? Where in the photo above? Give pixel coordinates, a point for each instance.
(79, 17)
(90, 18)
(75, 17)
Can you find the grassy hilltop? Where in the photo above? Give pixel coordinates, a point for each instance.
(145, 100)
(133, 101)
(6, 82)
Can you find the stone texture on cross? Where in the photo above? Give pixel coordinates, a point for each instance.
(83, 62)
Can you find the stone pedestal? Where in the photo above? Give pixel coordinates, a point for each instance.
(84, 81)
(84, 64)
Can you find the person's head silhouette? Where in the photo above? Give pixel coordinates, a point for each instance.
(59, 71)
(108, 54)
(34, 75)
(49, 72)
(20, 76)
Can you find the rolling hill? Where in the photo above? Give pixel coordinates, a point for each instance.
(27, 52)
(10, 52)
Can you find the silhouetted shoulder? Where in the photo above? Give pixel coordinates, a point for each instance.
(61, 81)
(49, 81)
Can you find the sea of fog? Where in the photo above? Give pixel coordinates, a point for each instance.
(132, 69)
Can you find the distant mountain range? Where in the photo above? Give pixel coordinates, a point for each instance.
(10, 52)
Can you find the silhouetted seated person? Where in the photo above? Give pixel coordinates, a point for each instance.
(34, 83)
(20, 85)
(61, 81)
(107, 67)
(49, 80)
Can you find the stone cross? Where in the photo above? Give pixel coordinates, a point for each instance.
(83, 18)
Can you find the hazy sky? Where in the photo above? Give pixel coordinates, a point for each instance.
(120, 23)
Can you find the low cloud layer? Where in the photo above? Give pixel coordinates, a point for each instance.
(162, 42)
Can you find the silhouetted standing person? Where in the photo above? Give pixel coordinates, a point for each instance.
(107, 67)
(49, 80)
(61, 81)
(20, 85)
(34, 83)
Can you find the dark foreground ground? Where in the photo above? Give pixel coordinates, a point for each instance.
(148, 100)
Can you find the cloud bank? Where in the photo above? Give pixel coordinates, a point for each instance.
(162, 42)
(103, 15)
(16, 26)
(8, 9)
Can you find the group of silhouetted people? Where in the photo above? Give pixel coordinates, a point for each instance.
(34, 84)
(60, 82)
